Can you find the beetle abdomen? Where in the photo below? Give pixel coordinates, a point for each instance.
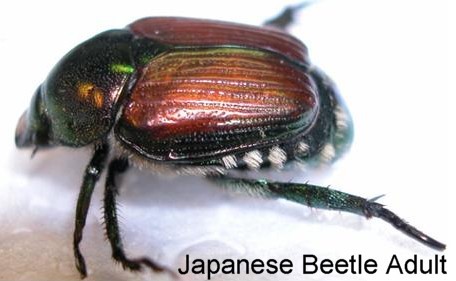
(191, 105)
(188, 32)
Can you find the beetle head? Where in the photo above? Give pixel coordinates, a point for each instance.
(77, 103)
(33, 126)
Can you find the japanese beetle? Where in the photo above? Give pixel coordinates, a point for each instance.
(195, 97)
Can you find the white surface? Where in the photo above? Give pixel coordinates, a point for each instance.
(390, 61)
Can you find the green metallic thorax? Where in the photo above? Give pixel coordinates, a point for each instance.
(78, 102)
(81, 92)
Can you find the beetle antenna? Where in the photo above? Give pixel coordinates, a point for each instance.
(34, 152)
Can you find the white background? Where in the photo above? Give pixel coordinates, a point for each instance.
(390, 61)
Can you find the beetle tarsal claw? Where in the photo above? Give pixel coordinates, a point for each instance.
(80, 263)
(140, 263)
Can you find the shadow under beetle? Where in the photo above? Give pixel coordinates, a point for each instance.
(195, 97)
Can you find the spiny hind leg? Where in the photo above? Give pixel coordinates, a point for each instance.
(326, 198)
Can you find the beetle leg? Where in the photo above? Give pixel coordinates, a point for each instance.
(118, 166)
(91, 175)
(287, 16)
(326, 198)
